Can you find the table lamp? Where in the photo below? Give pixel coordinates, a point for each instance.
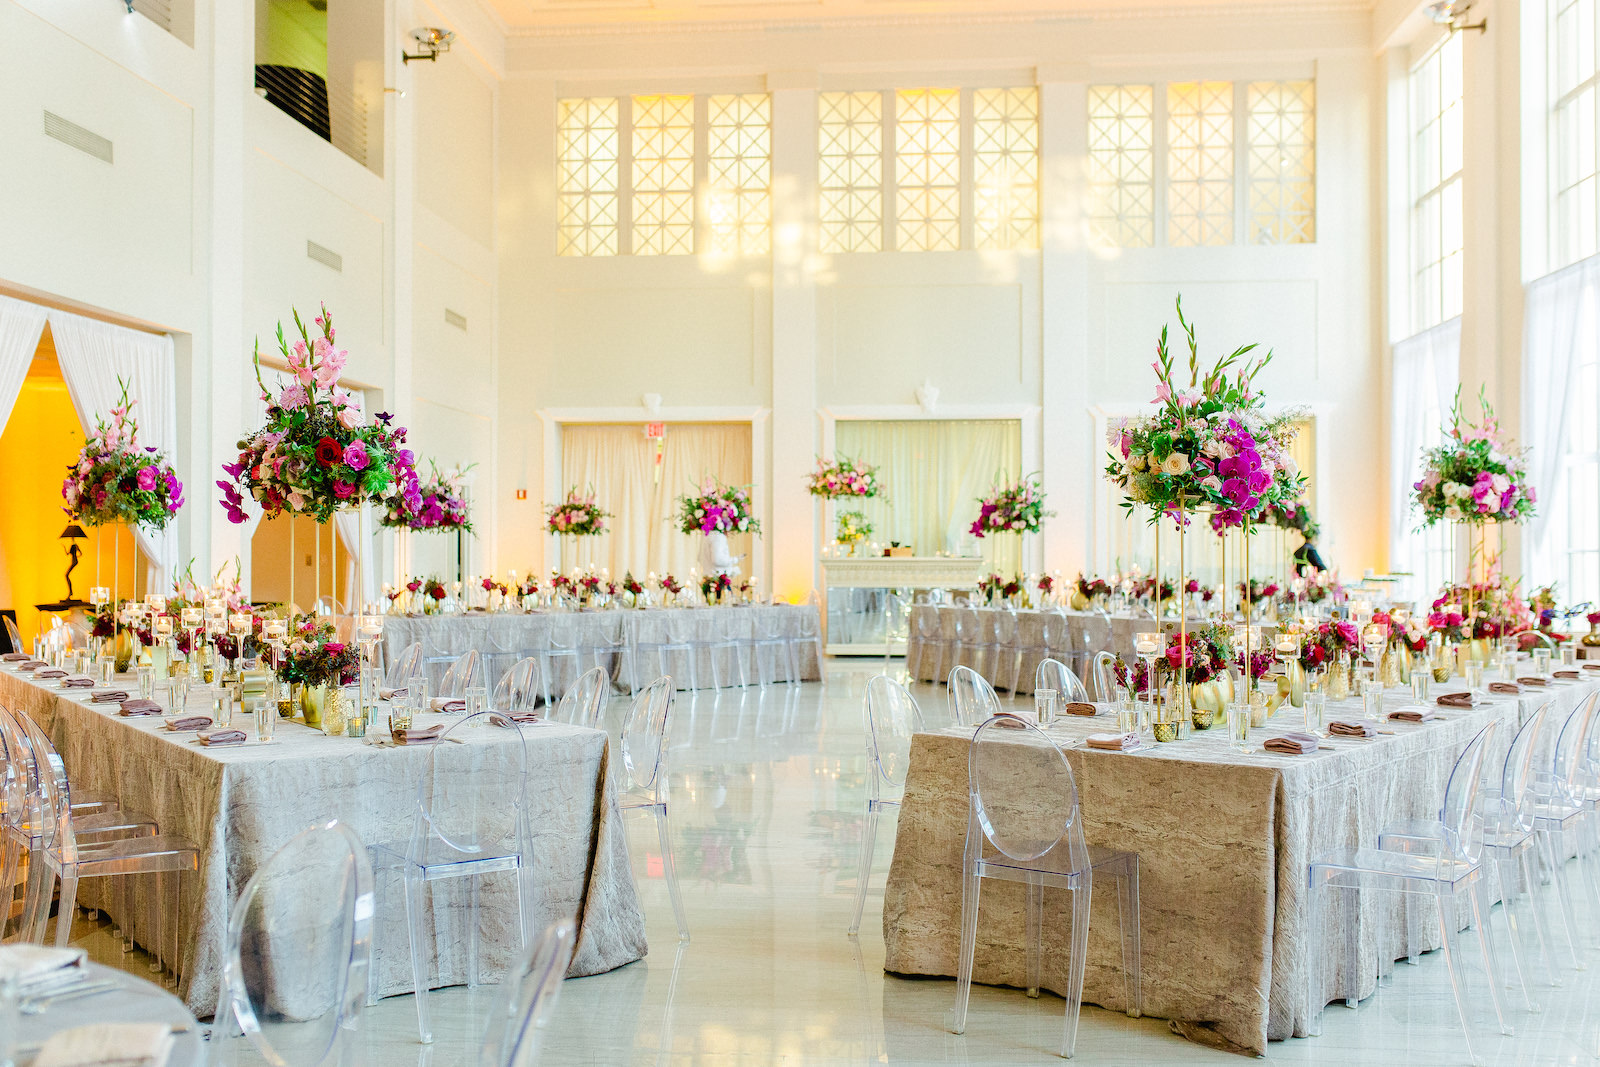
(72, 535)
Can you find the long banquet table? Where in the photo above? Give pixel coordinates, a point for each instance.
(607, 638)
(1224, 841)
(239, 804)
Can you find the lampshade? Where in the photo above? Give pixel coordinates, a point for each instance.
(73, 530)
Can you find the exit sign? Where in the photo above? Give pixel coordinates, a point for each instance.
(655, 430)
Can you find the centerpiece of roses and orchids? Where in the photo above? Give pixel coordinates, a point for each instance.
(853, 528)
(1475, 476)
(315, 656)
(1089, 588)
(844, 477)
(717, 508)
(577, 515)
(995, 587)
(1209, 445)
(440, 503)
(116, 479)
(1202, 655)
(1011, 507)
(1322, 644)
(317, 454)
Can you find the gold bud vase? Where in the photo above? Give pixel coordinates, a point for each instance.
(313, 701)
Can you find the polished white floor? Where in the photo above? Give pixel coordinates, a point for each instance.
(768, 791)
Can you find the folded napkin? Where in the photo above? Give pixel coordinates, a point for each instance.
(108, 1045)
(1591, 666)
(1455, 700)
(506, 718)
(31, 665)
(447, 704)
(49, 672)
(1112, 742)
(390, 694)
(38, 969)
(15, 657)
(1414, 713)
(82, 681)
(1293, 744)
(184, 723)
(140, 706)
(1573, 675)
(1505, 687)
(1352, 729)
(416, 735)
(1077, 707)
(225, 736)
(109, 696)
(1534, 679)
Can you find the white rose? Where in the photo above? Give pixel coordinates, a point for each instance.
(1452, 512)
(1136, 462)
(1176, 463)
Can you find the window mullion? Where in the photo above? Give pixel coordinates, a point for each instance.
(890, 172)
(625, 176)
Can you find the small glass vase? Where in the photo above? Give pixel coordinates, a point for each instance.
(1338, 684)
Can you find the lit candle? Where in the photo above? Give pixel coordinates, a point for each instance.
(164, 625)
(1148, 644)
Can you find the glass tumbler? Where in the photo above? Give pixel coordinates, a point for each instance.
(1316, 712)
(147, 682)
(221, 708)
(178, 693)
(1474, 675)
(1044, 705)
(417, 692)
(266, 716)
(1541, 662)
(1372, 700)
(1569, 656)
(477, 700)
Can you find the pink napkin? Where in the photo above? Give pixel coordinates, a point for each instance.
(415, 736)
(1534, 679)
(505, 718)
(140, 706)
(109, 696)
(1455, 700)
(15, 657)
(1291, 744)
(1414, 713)
(1591, 666)
(49, 672)
(447, 704)
(1112, 742)
(1571, 675)
(1352, 729)
(1078, 707)
(1505, 687)
(221, 737)
(82, 681)
(32, 665)
(184, 723)
(390, 694)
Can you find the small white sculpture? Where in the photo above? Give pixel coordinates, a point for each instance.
(715, 557)
(928, 396)
(652, 404)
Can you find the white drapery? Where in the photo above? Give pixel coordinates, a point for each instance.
(1561, 337)
(619, 463)
(93, 356)
(20, 326)
(933, 472)
(1427, 369)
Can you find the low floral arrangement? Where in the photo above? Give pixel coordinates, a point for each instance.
(1258, 589)
(1447, 623)
(316, 656)
(1492, 606)
(316, 455)
(718, 507)
(853, 528)
(589, 585)
(843, 478)
(1319, 646)
(1208, 445)
(433, 588)
(1012, 508)
(1207, 654)
(1415, 636)
(560, 584)
(1204, 592)
(1262, 662)
(631, 584)
(671, 585)
(1323, 586)
(996, 586)
(116, 479)
(1145, 588)
(576, 516)
(1093, 587)
(1046, 584)
(712, 586)
(1475, 476)
(443, 504)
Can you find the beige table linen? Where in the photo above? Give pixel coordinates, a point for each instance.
(1224, 840)
(239, 804)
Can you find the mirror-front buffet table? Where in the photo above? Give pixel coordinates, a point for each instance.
(856, 588)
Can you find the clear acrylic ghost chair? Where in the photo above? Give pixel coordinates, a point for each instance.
(1105, 676)
(518, 688)
(295, 967)
(1456, 869)
(529, 993)
(896, 625)
(585, 700)
(1005, 648)
(660, 635)
(1024, 825)
(972, 699)
(1053, 674)
(644, 755)
(927, 640)
(807, 631)
(561, 641)
(464, 826)
(769, 640)
(61, 855)
(1055, 639)
(464, 673)
(1563, 823)
(729, 642)
(1507, 838)
(14, 634)
(405, 666)
(892, 717)
(972, 639)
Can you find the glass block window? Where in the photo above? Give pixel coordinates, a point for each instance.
(1435, 173)
(663, 175)
(850, 171)
(1574, 113)
(927, 170)
(1200, 205)
(739, 173)
(1005, 168)
(1122, 164)
(586, 176)
(1281, 135)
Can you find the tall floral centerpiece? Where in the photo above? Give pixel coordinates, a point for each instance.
(440, 503)
(1209, 446)
(117, 480)
(844, 477)
(714, 512)
(853, 529)
(577, 515)
(1012, 508)
(317, 454)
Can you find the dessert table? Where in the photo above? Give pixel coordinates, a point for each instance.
(239, 804)
(611, 638)
(1224, 839)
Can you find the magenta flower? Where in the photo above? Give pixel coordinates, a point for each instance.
(355, 455)
(343, 489)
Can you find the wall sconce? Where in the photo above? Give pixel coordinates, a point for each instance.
(431, 40)
(1453, 13)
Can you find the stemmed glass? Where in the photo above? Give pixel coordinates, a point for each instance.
(239, 626)
(1148, 647)
(276, 632)
(368, 633)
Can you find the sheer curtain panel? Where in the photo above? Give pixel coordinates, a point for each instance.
(20, 326)
(1427, 368)
(620, 465)
(93, 355)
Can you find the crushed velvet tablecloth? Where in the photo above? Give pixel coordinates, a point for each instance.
(724, 639)
(240, 804)
(1224, 841)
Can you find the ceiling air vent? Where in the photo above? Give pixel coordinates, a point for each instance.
(70, 133)
(455, 318)
(326, 256)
